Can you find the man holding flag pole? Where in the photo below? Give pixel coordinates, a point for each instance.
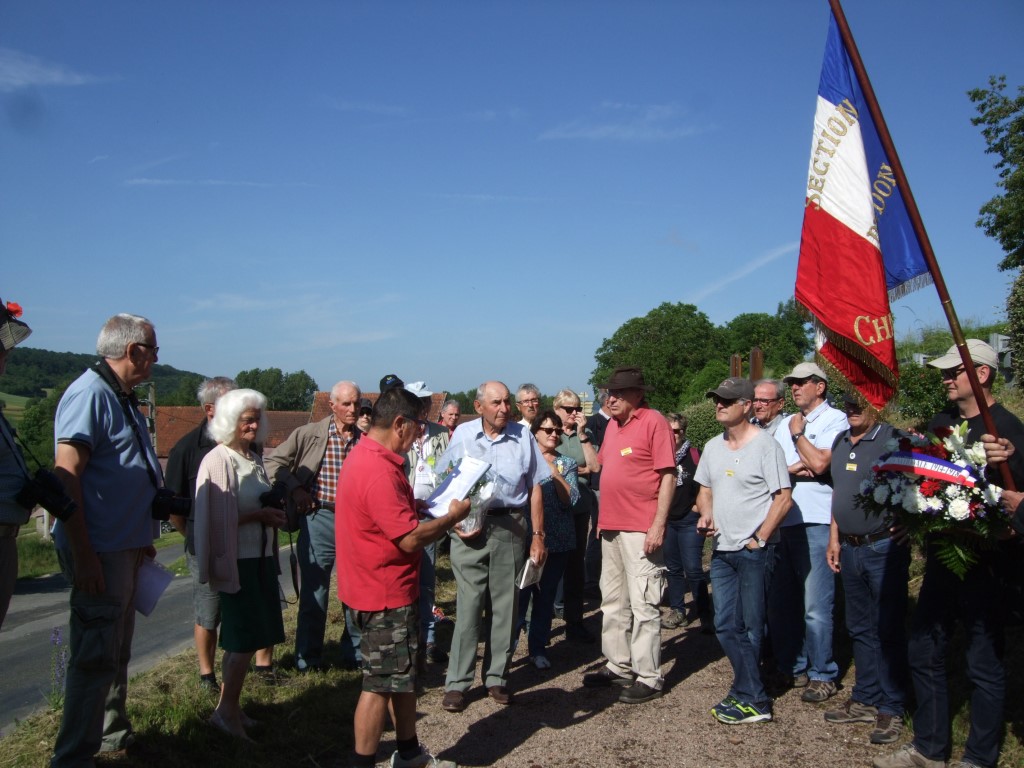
(864, 244)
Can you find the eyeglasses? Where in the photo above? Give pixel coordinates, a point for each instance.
(570, 408)
(952, 373)
(535, 401)
(549, 430)
(766, 400)
(154, 347)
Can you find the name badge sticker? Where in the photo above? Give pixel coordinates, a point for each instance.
(851, 467)
(625, 451)
(729, 473)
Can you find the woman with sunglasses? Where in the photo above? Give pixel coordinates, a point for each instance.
(560, 492)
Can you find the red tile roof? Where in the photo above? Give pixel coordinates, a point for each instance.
(173, 422)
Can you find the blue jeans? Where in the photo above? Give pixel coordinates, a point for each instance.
(800, 603)
(684, 552)
(592, 557)
(737, 584)
(543, 598)
(316, 561)
(96, 686)
(428, 587)
(875, 584)
(977, 603)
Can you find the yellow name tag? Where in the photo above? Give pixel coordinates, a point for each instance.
(851, 467)
(625, 451)
(729, 473)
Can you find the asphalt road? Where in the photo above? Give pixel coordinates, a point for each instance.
(40, 606)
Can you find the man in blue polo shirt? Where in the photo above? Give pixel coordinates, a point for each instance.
(496, 553)
(107, 464)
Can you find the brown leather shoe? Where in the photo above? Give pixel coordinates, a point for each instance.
(500, 694)
(453, 701)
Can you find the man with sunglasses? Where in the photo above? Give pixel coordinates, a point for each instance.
(978, 600)
(769, 400)
(744, 494)
(803, 586)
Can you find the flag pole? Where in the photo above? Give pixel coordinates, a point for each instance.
(918, 224)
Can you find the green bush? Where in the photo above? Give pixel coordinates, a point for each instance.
(703, 424)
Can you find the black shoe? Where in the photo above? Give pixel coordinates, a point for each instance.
(209, 684)
(638, 693)
(605, 678)
(435, 655)
(577, 633)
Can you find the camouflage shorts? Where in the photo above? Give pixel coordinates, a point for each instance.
(389, 645)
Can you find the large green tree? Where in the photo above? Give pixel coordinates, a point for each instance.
(284, 391)
(671, 343)
(1002, 217)
(784, 338)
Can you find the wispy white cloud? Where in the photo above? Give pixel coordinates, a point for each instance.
(149, 165)
(616, 121)
(21, 70)
(145, 181)
(742, 272)
(370, 108)
(99, 159)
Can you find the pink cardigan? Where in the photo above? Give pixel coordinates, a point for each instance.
(216, 520)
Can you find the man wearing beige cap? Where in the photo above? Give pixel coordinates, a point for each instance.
(803, 586)
(977, 601)
(14, 472)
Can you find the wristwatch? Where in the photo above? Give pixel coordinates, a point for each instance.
(797, 436)
(761, 543)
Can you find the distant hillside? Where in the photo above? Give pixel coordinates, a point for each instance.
(32, 371)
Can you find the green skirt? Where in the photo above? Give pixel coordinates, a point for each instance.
(250, 618)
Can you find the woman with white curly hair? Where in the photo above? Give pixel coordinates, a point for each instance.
(236, 541)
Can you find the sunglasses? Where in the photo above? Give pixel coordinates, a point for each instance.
(570, 408)
(549, 430)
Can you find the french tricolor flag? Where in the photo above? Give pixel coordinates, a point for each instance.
(857, 249)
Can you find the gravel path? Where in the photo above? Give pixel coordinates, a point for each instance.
(555, 721)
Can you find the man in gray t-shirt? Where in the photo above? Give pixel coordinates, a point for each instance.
(744, 495)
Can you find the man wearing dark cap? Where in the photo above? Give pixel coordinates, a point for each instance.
(308, 463)
(13, 470)
(637, 483)
(365, 411)
(803, 586)
(744, 495)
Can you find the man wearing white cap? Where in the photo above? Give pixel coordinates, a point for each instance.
(803, 586)
(978, 600)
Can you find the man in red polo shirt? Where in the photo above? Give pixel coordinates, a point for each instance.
(637, 483)
(379, 540)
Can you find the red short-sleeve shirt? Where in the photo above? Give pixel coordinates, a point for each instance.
(630, 457)
(373, 507)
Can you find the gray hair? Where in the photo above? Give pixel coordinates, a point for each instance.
(345, 385)
(230, 407)
(601, 396)
(564, 396)
(212, 389)
(527, 389)
(120, 331)
(449, 403)
(482, 387)
(780, 388)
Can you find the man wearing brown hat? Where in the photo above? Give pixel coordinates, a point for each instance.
(13, 470)
(637, 482)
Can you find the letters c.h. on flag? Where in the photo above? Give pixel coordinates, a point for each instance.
(858, 249)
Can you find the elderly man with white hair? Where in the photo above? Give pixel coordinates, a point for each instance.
(308, 463)
(108, 466)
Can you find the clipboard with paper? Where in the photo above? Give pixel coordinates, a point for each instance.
(457, 485)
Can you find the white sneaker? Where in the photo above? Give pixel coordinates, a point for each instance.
(541, 662)
(423, 760)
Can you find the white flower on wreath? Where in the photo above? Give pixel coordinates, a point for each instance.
(959, 509)
(881, 494)
(976, 454)
(952, 491)
(991, 494)
(865, 487)
(913, 501)
(934, 503)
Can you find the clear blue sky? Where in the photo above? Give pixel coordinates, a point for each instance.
(454, 191)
